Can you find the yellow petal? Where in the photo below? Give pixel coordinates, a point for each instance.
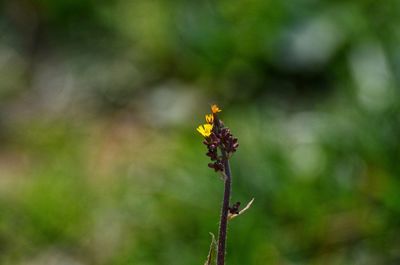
(215, 108)
(210, 118)
(200, 129)
(208, 129)
(205, 129)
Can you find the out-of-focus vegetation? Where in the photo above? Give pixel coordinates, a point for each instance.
(100, 162)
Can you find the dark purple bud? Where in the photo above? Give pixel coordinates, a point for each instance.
(234, 209)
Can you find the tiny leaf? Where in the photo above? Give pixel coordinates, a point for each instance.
(231, 216)
(212, 253)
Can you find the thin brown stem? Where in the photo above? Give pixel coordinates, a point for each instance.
(223, 225)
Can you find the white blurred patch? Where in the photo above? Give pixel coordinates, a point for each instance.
(54, 84)
(313, 43)
(12, 69)
(305, 127)
(303, 131)
(170, 104)
(307, 160)
(372, 75)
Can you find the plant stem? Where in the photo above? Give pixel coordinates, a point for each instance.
(223, 225)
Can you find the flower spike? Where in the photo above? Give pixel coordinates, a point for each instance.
(221, 145)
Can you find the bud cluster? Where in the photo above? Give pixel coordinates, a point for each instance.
(212, 142)
(226, 142)
(219, 141)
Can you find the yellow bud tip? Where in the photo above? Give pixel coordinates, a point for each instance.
(209, 119)
(215, 109)
(205, 129)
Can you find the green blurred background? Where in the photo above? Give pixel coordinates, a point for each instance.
(100, 162)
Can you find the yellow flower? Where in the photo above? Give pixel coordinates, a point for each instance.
(210, 118)
(205, 129)
(215, 109)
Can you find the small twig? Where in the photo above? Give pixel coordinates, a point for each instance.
(223, 225)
